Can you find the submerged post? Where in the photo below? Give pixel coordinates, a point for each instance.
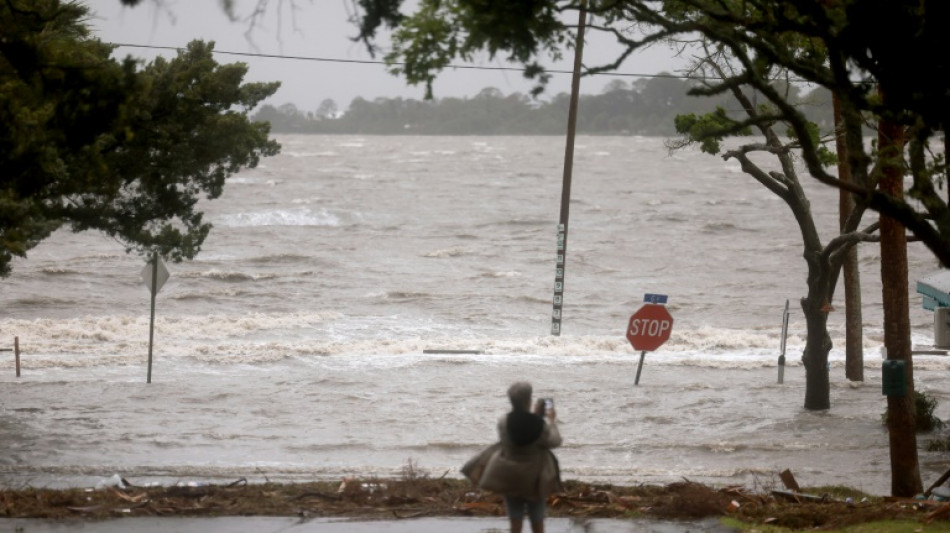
(151, 322)
(568, 168)
(781, 357)
(639, 368)
(154, 274)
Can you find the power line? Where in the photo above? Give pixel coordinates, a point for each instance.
(376, 62)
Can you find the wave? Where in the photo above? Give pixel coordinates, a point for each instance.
(455, 251)
(203, 296)
(533, 299)
(720, 227)
(280, 217)
(58, 271)
(407, 295)
(280, 258)
(520, 222)
(509, 274)
(307, 337)
(223, 275)
(42, 301)
(296, 154)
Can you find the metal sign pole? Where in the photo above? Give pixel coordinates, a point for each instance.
(781, 358)
(151, 323)
(639, 368)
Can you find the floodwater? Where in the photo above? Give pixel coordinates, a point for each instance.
(363, 303)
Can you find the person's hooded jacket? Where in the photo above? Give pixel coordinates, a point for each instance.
(521, 464)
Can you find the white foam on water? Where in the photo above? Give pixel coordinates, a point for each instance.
(280, 217)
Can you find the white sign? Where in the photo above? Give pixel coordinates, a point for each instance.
(160, 278)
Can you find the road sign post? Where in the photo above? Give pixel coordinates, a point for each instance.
(155, 274)
(649, 328)
(781, 357)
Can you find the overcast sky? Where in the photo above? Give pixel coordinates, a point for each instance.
(321, 30)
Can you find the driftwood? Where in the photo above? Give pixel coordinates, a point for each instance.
(940, 481)
(940, 512)
(800, 497)
(321, 495)
(789, 481)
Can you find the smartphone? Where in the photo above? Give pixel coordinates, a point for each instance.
(548, 405)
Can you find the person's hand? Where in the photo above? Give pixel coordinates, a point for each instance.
(539, 407)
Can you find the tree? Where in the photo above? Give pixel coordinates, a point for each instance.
(823, 261)
(901, 423)
(58, 94)
(92, 143)
(854, 328)
(328, 109)
(615, 85)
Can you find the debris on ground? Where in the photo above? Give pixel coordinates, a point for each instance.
(422, 496)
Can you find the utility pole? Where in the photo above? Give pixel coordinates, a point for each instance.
(901, 415)
(568, 173)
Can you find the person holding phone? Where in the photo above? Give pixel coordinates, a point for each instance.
(521, 466)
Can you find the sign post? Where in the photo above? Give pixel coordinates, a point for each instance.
(781, 357)
(649, 327)
(155, 274)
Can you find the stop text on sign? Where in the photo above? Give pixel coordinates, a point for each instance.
(650, 327)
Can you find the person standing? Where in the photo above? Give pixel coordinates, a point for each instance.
(521, 466)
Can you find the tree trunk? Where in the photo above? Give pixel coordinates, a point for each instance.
(815, 358)
(901, 422)
(815, 307)
(854, 330)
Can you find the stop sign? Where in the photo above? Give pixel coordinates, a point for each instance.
(649, 327)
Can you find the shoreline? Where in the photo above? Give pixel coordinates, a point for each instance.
(420, 497)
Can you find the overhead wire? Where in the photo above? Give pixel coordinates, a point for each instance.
(378, 62)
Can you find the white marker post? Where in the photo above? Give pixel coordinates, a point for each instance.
(155, 274)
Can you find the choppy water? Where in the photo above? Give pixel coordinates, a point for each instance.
(299, 344)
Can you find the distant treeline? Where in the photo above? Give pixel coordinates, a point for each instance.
(645, 107)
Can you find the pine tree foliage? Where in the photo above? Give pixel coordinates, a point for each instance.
(89, 142)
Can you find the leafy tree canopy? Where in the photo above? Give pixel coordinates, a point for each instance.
(95, 143)
(846, 35)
